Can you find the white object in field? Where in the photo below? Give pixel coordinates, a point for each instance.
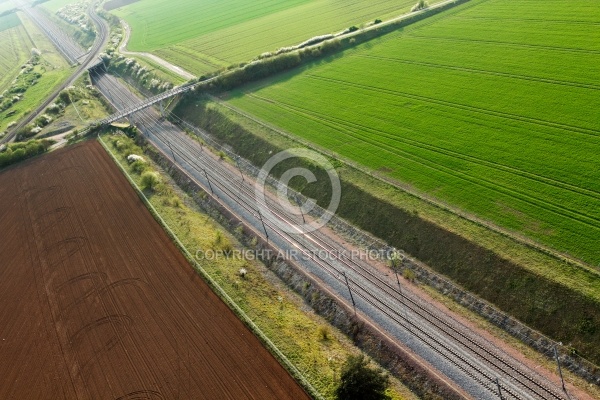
(134, 157)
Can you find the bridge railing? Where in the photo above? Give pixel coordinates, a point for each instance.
(147, 103)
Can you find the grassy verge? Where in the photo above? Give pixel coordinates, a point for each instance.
(315, 348)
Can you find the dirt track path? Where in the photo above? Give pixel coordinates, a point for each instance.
(173, 68)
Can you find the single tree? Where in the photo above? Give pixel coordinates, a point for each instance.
(360, 382)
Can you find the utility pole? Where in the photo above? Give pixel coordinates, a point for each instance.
(301, 210)
(263, 224)
(499, 389)
(172, 152)
(237, 161)
(560, 371)
(398, 281)
(350, 291)
(208, 180)
(394, 260)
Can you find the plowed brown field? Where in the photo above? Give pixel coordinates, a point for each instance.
(97, 303)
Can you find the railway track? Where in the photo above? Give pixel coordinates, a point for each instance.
(365, 273)
(475, 364)
(70, 50)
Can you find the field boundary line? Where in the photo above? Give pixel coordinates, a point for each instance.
(480, 110)
(216, 287)
(512, 44)
(529, 243)
(529, 78)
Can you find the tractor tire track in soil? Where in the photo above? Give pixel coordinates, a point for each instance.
(98, 303)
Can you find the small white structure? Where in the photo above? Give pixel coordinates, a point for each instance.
(134, 157)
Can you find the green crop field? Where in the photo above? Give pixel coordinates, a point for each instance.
(206, 35)
(491, 107)
(14, 47)
(16, 43)
(9, 21)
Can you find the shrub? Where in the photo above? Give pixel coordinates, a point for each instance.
(421, 4)
(323, 332)
(34, 148)
(395, 260)
(53, 108)
(120, 145)
(314, 40)
(175, 202)
(409, 274)
(239, 230)
(359, 382)
(330, 46)
(5, 158)
(138, 167)
(218, 240)
(43, 120)
(377, 21)
(64, 97)
(18, 155)
(222, 243)
(150, 180)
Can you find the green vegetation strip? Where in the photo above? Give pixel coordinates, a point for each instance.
(16, 152)
(308, 342)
